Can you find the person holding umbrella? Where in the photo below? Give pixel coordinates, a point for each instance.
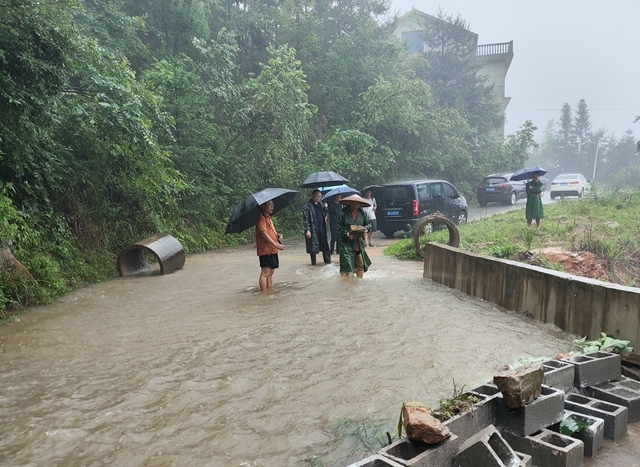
(256, 211)
(534, 209)
(315, 228)
(268, 244)
(353, 225)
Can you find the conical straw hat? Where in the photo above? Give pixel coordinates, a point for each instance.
(358, 199)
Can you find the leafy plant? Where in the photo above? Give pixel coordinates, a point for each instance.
(368, 433)
(528, 238)
(314, 462)
(459, 403)
(606, 343)
(569, 426)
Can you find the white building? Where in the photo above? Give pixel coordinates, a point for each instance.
(494, 58)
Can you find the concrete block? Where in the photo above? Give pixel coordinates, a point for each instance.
(409, 454)
(525, 459)
(375, 461)
(548, 449)
(559, 374)
(592, 437)
(490, 390)
(625, 392)
(482, 415)
(546, 410)
(486, 449)
(595, 368)
(614, 416)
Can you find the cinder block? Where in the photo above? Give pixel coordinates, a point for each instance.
(482, 415)
(595, 368)
(525, 459)
(546, 410)
(559, 374)
(486, 449)
(490, 390)
(375, 461)
(592, 437)
(409, 454)
(548, 449)
(625, 392)
(614, 416)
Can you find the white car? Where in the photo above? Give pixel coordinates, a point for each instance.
(570, 185)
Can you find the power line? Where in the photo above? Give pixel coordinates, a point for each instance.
(509, 109)
(565, 102)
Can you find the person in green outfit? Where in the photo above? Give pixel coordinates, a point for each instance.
(534, 208)
(351, 246)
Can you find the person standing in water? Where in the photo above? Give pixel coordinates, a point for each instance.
(315, 228)
(353, 257)
(534, 209)
(371, 212)
(268, 244)
(335, 208)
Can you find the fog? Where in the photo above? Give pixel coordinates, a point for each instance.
(564, 51)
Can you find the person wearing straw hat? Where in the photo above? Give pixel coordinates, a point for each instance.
(353, 225)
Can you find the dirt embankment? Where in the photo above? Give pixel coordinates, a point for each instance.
(586, 264)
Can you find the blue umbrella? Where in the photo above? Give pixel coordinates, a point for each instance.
(340, 190)
(527, 173)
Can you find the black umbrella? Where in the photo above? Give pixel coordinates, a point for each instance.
(320, 179)
(246, 213)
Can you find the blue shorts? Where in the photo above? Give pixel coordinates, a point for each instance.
(269, 261)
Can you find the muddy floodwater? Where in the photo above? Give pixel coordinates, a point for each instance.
(198, 368)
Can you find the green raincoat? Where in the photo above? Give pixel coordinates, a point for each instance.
(346, 247)
(534, 208)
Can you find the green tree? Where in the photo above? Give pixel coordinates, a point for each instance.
(565, 128)
(581, 124)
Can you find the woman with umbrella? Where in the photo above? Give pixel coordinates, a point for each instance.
(268, 243)
(257, 210)
(534, 209)
(353, 224)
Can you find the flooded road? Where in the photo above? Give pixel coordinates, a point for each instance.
(198, 368)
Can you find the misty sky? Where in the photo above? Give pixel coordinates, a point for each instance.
(564, 51)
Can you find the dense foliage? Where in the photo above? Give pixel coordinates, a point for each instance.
(123, 118)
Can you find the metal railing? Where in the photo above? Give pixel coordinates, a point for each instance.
(494, 49)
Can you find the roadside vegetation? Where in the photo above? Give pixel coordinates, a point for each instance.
(595, 237)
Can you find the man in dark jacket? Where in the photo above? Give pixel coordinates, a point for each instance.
(315, 228)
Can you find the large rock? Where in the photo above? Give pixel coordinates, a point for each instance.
(521, 386)
(421, 426)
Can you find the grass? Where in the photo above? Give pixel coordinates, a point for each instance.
(605, 224)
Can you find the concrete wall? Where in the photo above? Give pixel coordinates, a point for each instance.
(578, 305)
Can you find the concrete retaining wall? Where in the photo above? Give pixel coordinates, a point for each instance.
(578, 305)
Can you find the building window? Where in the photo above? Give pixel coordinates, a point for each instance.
(414, 41)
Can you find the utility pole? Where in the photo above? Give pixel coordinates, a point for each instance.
(595, 161)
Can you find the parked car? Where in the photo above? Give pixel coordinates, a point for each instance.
(570, 185)
(499, 188)
(402, 204)
(547, 184)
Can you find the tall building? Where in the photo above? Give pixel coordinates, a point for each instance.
(495, 59)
